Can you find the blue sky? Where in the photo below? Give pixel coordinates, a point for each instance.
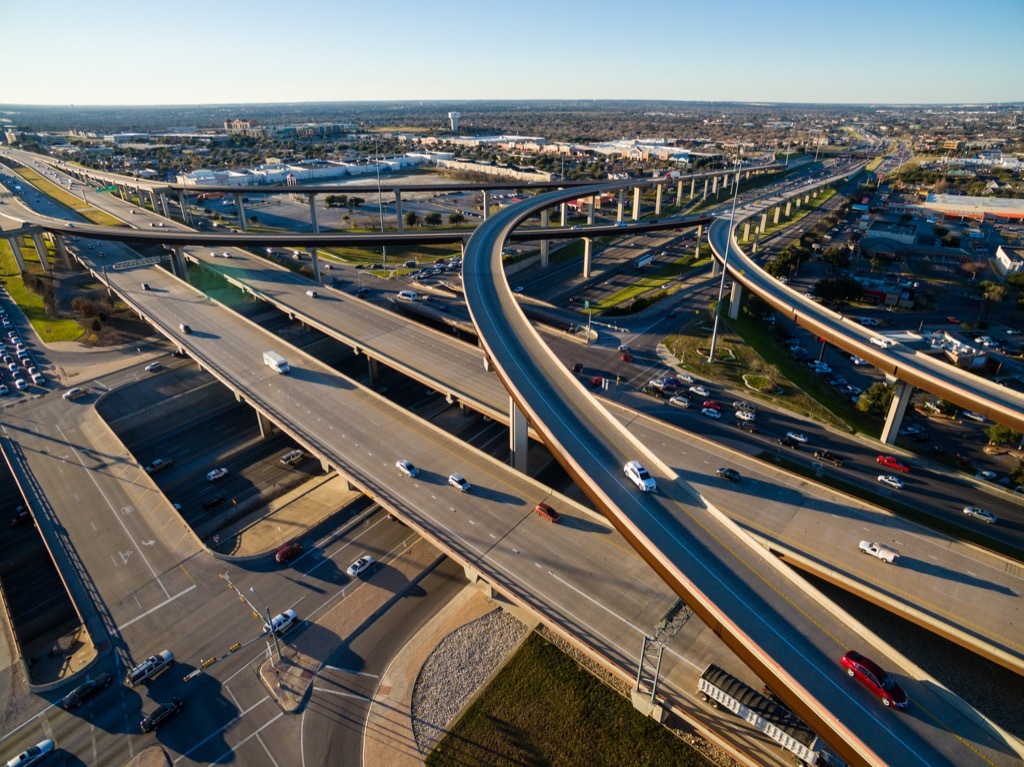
(190, 52)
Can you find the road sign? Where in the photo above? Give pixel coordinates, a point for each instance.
(140, 262)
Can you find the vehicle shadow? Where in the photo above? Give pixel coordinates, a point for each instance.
(206, 709)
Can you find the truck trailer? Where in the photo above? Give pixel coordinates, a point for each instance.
(722, 690)
(275, 362)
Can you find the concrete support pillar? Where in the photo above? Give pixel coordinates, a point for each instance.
(618, 212)
(778, 211)
(487, 203)
(324, 466)
(178, 262)
(657, 199)
(487, 365)
(588, 254)
(37, 240)
(757, 241)
(693, 186)
(714, 185)
(545, 245)
(797, 203)
(807, 199)
(679, 193)
(564, 214)
(789, 207)
(315, 264)
(705, 189)
(241, 212)
(735, 299)
(696, 250)
(163, 206)
(894, 418)
(716, 267)
(267, 427)
(746, 231)
(373, 369)
(748, 175)
(122, 192)
(16, 247)
(764, 223)
(186, 217)
(152, 201)
(312, 213)
(518, 438)
(398, 210)
(62, 250)
(590, 210)
(636, 203)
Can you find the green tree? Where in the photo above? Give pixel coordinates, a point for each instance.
(432, 219)
(876, 399)
(1002, 435)
(411, 218)
(455, 218)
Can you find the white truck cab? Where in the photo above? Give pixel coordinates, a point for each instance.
(886, 553)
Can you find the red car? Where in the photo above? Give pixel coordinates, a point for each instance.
(596, 382)
(627, 357)
(713, 404)
(547, 512)
(288, 552)
(892, 462)
(869, 674)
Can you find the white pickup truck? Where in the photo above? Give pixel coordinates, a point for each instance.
(885, 553)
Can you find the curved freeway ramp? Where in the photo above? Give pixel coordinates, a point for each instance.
(789, 635)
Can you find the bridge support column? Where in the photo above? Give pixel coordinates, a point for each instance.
(590, 210)
(62, 250)
(267, 427)
(618, 212)
(163, 205)
(746, 231)
(679, 193)
(778, 211)
(518, 438)
(714, 185)
(748, 175)
(473, 576)
(487, 203)
(735, 299)
(373, 369)
(37, 240)
(588, 254)
(693, 187)
(16, 247)
(636, 203)
(545, 245)
(757, 241)
(716, 267)
(797, 203)
(312, 213)
(705, 190)
(894, 418)
(657, 199)
(324, 466)
(178, 263)
(789, 207)
(315, 265)
(240, 208)
(398, 210)
(186, 218)
(807, 199)
(764, 223)
(564, 214)
(696, 250)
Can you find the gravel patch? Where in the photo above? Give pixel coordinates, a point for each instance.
(457, 669)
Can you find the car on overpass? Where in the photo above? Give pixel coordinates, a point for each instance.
(880, 682)
(979, 513)
(640, 477)
(892, 462)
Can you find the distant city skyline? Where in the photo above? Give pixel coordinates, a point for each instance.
(789, 51)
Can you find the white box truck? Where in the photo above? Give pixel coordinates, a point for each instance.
(275, 362)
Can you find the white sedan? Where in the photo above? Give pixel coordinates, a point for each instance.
(700, 391)
(890, 481)
(975, 416)
(361, 565)
(858, 360)
(216, 474)
(745, 415)
(406, 468)
(797, 437)
(978, 513)
(710, 412)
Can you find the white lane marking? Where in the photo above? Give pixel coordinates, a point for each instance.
(242, 742)
(341, 694)
(349, 671)
(215, 733)
(157, 607)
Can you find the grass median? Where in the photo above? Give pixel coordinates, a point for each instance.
(64, 197)
(31, 303)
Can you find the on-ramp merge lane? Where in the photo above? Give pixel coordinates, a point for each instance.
(734, 588)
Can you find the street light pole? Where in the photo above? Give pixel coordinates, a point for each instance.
(721, 284)
(270, 622)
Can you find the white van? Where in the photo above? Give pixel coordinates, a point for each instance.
(407, 295)
(884, 343)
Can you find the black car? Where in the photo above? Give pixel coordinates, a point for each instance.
(788, 441)
(213, 503)
(577, 367)
(730, 474)
(746, 426)
(162, 713)
(829, 457)
(84, 691)
(21, 516)
(185, 329)
(654, 391)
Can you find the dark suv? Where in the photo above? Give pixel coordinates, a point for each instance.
(730, 474)
(746, 426)
(162, 713)
(827, 456)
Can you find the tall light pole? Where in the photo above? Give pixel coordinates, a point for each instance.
(269, 622)
(721, 284)
(380, 200)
